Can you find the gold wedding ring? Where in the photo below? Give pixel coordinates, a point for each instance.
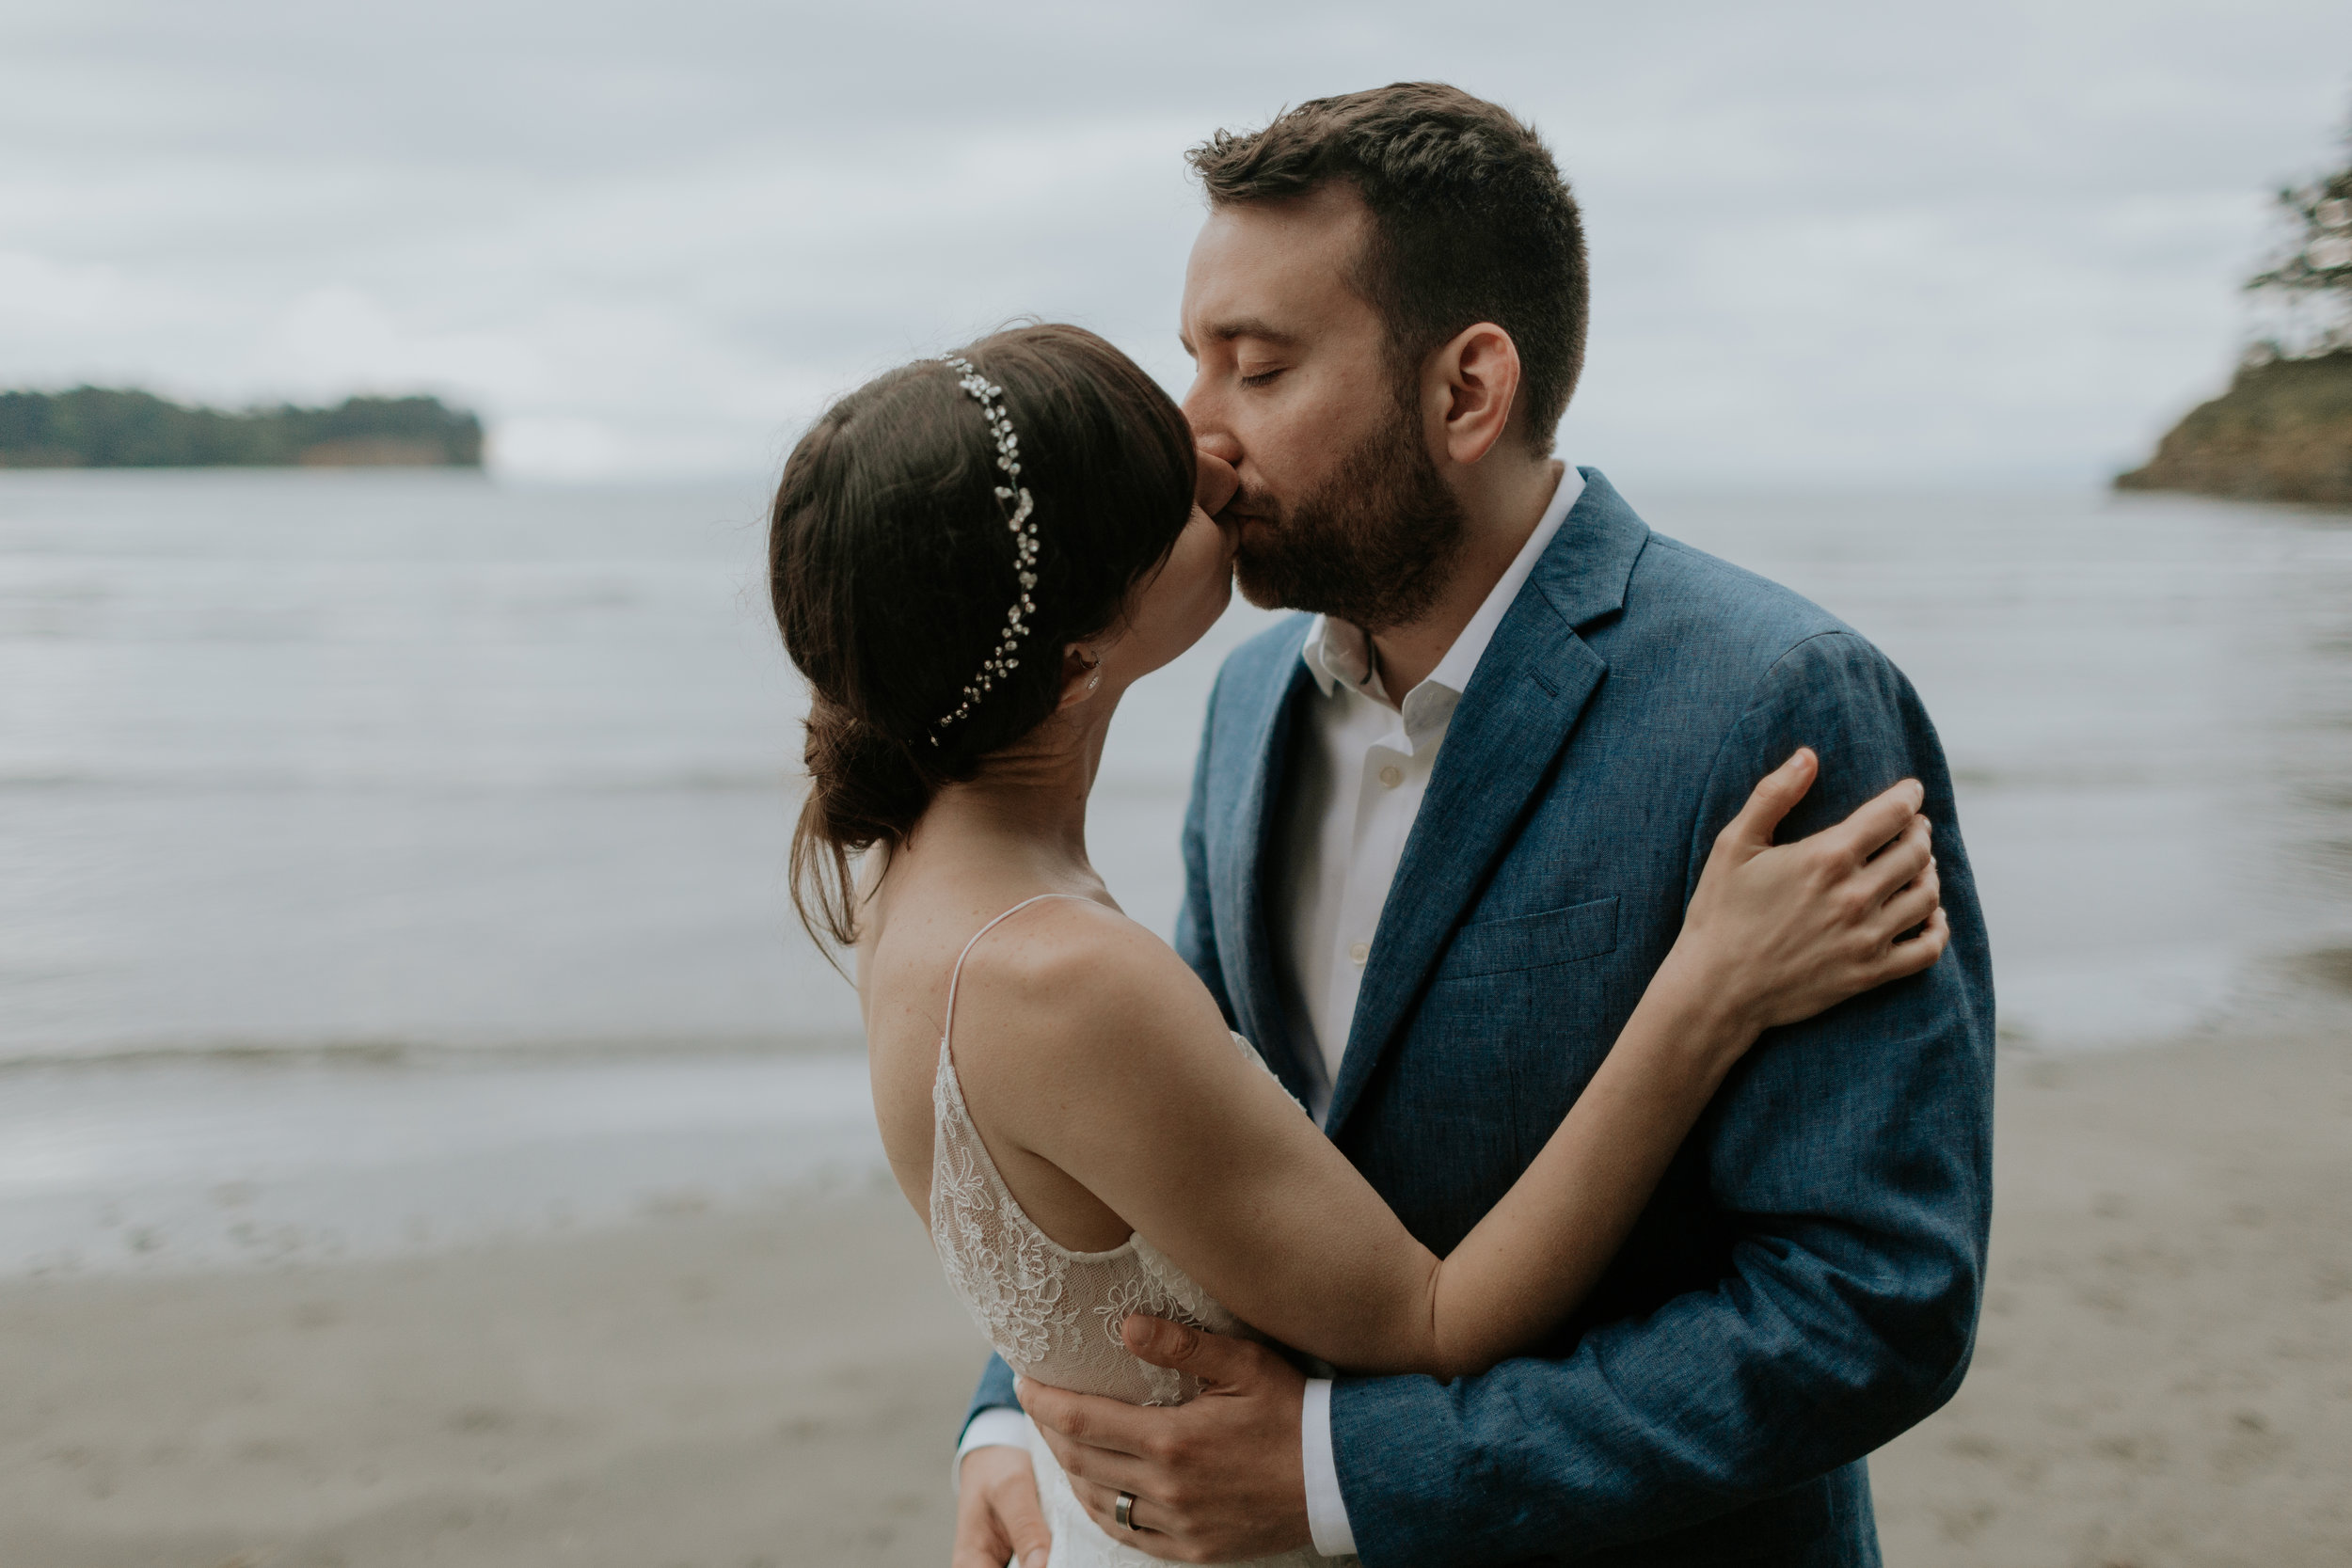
(1123, 1511)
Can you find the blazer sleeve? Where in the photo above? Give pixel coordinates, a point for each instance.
(994, 1392)
(1850, 1158)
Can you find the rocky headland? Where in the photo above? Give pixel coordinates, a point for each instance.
(2282, 432)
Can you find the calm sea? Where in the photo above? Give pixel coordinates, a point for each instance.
(394, 859)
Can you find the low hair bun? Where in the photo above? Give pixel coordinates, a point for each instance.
(864, 787)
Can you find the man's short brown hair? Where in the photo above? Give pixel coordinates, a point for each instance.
(1472, 222)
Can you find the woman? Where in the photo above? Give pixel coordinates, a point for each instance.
(972, 559)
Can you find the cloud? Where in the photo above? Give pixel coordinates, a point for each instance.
(1830, 241)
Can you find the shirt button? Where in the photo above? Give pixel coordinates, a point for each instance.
(1358, 951)
(1392, 775)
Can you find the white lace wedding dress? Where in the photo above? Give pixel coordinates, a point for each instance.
(1053, 1314)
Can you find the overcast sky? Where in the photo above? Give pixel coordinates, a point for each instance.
(1864, 244)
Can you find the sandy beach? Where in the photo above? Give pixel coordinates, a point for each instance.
(2163, 1376)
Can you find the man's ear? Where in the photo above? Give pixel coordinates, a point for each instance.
(1474, 379)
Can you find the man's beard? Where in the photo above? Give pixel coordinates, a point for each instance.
(1372, 545)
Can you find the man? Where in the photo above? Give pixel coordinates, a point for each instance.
(1441, 836)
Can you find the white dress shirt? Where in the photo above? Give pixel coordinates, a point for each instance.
(1363, 766)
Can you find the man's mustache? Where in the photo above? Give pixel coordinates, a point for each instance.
(1253, 505)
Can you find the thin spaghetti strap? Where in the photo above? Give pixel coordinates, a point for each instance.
(947, 1028)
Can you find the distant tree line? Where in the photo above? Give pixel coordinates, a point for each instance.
(93, 427)
(2312, 273)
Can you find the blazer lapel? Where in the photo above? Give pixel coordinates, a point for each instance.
(1522, 701)
(1238, 862)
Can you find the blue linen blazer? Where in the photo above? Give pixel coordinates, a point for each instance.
(1805, 1283)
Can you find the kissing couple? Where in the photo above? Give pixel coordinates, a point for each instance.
(1561, 1132)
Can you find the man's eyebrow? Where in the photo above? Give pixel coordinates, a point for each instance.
(1252, 326)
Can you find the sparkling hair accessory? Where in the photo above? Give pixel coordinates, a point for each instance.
(1002, 659)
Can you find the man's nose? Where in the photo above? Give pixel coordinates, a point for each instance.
(1218, 444)
(1209, 431)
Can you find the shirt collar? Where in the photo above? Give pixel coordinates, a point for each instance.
(1337, 654)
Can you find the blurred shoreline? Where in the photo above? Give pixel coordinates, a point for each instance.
(2163, 1371)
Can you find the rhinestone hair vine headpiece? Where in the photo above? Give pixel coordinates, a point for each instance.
(1003, 658)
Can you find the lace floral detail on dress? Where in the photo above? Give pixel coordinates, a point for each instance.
(1146, 1295)
(1014, 1295)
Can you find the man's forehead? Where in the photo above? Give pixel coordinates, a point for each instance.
(1267, 270)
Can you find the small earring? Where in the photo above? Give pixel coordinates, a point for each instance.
(1095, 679)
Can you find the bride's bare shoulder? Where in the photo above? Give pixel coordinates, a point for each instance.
(1068, 979)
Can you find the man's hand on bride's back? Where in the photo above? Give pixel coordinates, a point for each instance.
(1776, 933)
(1220, 1479)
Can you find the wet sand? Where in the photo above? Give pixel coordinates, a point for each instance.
(2163, 1376)
(2163, 1371)
(722, 1391)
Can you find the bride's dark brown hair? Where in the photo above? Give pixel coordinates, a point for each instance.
(892, 571)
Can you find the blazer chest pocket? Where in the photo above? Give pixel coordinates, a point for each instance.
(1531, 940)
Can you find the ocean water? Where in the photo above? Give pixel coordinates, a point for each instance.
(397, 858)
